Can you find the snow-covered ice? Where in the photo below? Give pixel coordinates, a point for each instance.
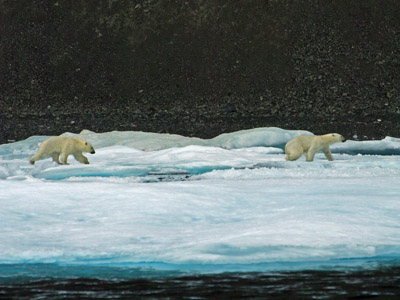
(231, 202)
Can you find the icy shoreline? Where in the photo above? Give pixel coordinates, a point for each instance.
(238, 203)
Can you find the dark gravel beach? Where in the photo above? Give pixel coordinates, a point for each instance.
(22, 126)
(199, 68)
(194, 124)
(368, 284)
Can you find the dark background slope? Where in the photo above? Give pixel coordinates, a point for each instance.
(199, 68)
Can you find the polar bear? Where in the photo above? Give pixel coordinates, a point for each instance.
(65, 146)
(310, 145)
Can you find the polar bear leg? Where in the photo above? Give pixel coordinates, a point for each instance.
(33, 159)
(328, 154)
(64, 157)
(294, 152)
(311, 153)
(55, 157)
(81, 158)
(37, 156)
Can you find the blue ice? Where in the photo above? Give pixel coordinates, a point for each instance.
(178, 203)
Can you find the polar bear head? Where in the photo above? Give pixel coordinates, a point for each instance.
(85, 146)
(335, 138)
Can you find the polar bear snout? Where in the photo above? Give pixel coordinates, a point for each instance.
(337, 138)
(92, 152)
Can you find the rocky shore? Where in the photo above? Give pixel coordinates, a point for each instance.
(21, 126)
(381, 283)
(199, 68)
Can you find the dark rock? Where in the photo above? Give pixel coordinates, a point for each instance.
(226, 65)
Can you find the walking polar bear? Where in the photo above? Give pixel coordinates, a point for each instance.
(65, 146)
(310, 145)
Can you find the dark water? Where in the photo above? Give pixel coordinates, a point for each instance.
(379, 283)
